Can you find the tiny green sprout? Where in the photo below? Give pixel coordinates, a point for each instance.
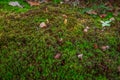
(106, 23)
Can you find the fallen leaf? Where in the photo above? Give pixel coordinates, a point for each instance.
(15, 3)
(43, 25)
(80, 56)
(92, 12)
(103, 15)
(33, 3)
(85, 30)
(57, 56)
(64, 16)
(95, 46)
(104, 48)
(112, 19)
(61, 2)
(87, 27)
(65, 21)
(47, 21)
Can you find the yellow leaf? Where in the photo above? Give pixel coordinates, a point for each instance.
(65, 21)
(33, 3)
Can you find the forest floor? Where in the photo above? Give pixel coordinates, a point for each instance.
(58, 42)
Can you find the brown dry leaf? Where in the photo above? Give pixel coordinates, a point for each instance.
(65, 21)
(112, 19)
(57, 56)
(104, 48)
(92, 12)
(43, 25)
(95, 46)
(33, 3)
(102, 15)
(64, 16)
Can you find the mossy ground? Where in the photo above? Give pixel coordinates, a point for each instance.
(27, 51)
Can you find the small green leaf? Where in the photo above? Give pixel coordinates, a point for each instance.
(106, 23)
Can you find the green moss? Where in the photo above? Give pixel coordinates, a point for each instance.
(27, 51)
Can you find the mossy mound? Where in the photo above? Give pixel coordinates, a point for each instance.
(27, 51)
